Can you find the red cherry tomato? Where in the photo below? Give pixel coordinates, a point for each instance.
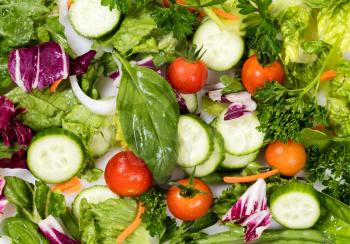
(127, 175)
(254, 75)
(186, 76)
(189, 207)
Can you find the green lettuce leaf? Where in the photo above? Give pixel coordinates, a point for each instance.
(44, 109)
(334, 23)
(34, 202)
(102, 223)
(148, 115)
(95, 131)
(339, 116)
(23, 231)
(132, 31)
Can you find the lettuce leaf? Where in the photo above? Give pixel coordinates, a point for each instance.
(102, 223)
(334, 23)
(23, 231)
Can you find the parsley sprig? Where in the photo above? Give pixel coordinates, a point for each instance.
(176, 19)
(261, 29)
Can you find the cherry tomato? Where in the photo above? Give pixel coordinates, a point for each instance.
(189, 207)
(186, 76)
(254, 75)
(289, 158)
(127, 175)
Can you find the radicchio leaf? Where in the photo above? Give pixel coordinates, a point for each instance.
(54, 232)
(3, 200)
(13, 133)
(235, 110)
(251, 211)
(148, 63)
(81, 64)
(181, 101)
(38, 66)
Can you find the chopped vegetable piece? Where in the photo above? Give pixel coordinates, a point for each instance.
(328, 75)
(133, 226)
(71, 186)
(224, 14)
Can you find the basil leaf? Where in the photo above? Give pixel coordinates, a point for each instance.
(148, 114)
(310, 137)
(23, 231)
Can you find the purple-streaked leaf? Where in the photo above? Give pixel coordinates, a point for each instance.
(7, 110)
(255, 225)
(3, 200)
(80, 65)
(244, 98)
(251, 211)
(148, 63)
(38, 66)
(54, 232)
(235, 110)
(181, 101)
(18, 160)
(114, 75)
(252, 201)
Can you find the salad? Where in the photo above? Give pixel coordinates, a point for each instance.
(187, 121)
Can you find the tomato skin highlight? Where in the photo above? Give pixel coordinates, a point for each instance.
(186, 208)
(187, 77)
(288, 158)
(127, 175)
(254, 75)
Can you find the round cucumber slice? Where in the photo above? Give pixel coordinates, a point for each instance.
(210, 165)
(295, 206)
(94, 194)
(92, 20)
(55, 155)
(195, 141)
(237, 162)
(240, 135)
(223, 49)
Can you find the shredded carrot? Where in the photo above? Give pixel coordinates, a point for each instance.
(224, 14)
(133, 226)
(328, 75)
(250, 178)
(71, 186)
(69, 3)
(319, 127)
(55, 85)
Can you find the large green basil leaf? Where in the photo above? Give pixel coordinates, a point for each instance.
(23, 231)
(148, 114)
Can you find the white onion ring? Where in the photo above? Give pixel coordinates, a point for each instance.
(102, 107)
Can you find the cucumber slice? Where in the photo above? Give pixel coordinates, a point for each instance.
(295, 206)
(213, 161)
(90, 19)
(191, 102)
(223, 49)
(195, 141)
(237, 162)
(55, 155)
(94, 194)
(240, 135)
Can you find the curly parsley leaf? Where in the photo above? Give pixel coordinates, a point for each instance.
(261, 29)
(176, 19)
(331, 167)
(155, 216)
(121, 5)
(283, 114)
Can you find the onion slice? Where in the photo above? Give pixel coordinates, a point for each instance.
(101, 107)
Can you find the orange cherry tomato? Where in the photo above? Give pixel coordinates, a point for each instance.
(255, 75)
(189, 207)
(289, 158)
(186, 76)
(127, 175)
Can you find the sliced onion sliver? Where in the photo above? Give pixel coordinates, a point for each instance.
(101, 107)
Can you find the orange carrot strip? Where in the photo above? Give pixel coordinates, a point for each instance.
(133, 226)
(74, 189)
(319, 127)
(55, 85)
(72, 184)
(69, 3)
(250, 178)
(224, 14)
(328, 75)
